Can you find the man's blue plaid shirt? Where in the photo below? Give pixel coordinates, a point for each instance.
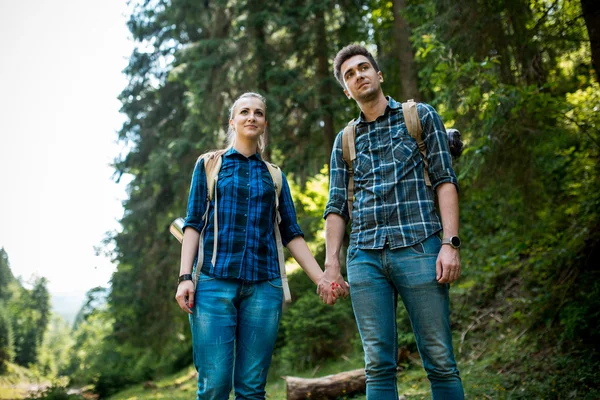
(246, 212)
(392, 202)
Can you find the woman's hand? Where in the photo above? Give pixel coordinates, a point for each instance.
(185, 296)
(331, 288)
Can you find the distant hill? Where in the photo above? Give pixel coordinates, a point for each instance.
(67, 305)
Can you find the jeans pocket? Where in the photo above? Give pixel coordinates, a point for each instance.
(418, 248)
(429, 246)
(276, 283)
(203, 277)
(352, 250)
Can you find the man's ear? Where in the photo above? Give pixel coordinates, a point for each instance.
(347, 93)
(380, 76)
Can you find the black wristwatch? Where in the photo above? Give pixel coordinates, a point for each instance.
(185, 277)
(453, 241)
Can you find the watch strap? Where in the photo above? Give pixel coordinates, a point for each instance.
(453, 241)
(184, 277)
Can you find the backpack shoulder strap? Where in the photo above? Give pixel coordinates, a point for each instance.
(349, 155)
(276, 175)
(413, 124)
(411, 118)
(212, 166)
(349, 143)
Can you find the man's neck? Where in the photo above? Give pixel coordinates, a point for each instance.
(374, 108)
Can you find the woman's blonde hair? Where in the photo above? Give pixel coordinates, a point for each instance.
(231, 133)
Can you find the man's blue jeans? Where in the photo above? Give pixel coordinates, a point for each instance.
(234, 329)
(376, 278)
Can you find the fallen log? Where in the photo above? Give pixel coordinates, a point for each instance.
(327, 387)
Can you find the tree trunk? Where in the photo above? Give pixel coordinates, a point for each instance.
(257, 27)
(526, 52)
(343, 384)
(591, 14)
(324, 83)
(406, 59)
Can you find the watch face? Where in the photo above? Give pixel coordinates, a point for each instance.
(455, 241)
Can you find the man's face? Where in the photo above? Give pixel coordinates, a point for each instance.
(362, 82)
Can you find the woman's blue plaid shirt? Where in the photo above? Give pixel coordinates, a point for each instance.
(246, 212)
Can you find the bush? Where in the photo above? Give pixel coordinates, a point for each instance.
(314, 332)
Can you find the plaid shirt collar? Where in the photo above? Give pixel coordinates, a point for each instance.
(392, 105)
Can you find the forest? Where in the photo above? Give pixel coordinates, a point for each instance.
(518, 78)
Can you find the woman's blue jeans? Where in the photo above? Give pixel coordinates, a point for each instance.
(234, 329)
(376, 278)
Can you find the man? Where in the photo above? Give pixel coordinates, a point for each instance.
(395, 246)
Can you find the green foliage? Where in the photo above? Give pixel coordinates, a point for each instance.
(514, 77)
(6, 276)
(30, 313)
(53, 353)
(24, 317)
(85, 353)
(310, 201)
(332, 330)
(7, 340)
(114, 369)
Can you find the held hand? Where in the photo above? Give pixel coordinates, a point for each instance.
(332, 284)
(185, 296)
(447, 266)
(326, 291)
(332, 271)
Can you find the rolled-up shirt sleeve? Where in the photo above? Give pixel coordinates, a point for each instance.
(288, 227)
(197, 198)
(436, 141)
(338, 182)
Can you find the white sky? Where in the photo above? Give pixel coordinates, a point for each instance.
(60, 75)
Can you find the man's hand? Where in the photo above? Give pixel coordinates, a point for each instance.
(185, 296)
(326, 290)
(447, 266)
(332, 286)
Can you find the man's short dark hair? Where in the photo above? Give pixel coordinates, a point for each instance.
(349, 52)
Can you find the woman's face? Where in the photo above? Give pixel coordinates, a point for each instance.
(249, 118)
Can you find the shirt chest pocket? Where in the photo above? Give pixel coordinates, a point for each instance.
(267, 189)
(404, 147)
(363, 164)
(226, 182)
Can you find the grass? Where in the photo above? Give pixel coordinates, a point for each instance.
(412, 382)
(484, 377)
(182, 385)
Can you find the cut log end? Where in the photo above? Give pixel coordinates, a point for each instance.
(327, 387)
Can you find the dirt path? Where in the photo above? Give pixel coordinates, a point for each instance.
(24, 390)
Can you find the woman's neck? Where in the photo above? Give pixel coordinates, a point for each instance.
(247, 148)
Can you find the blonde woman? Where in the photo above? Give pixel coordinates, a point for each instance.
(236, 305)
